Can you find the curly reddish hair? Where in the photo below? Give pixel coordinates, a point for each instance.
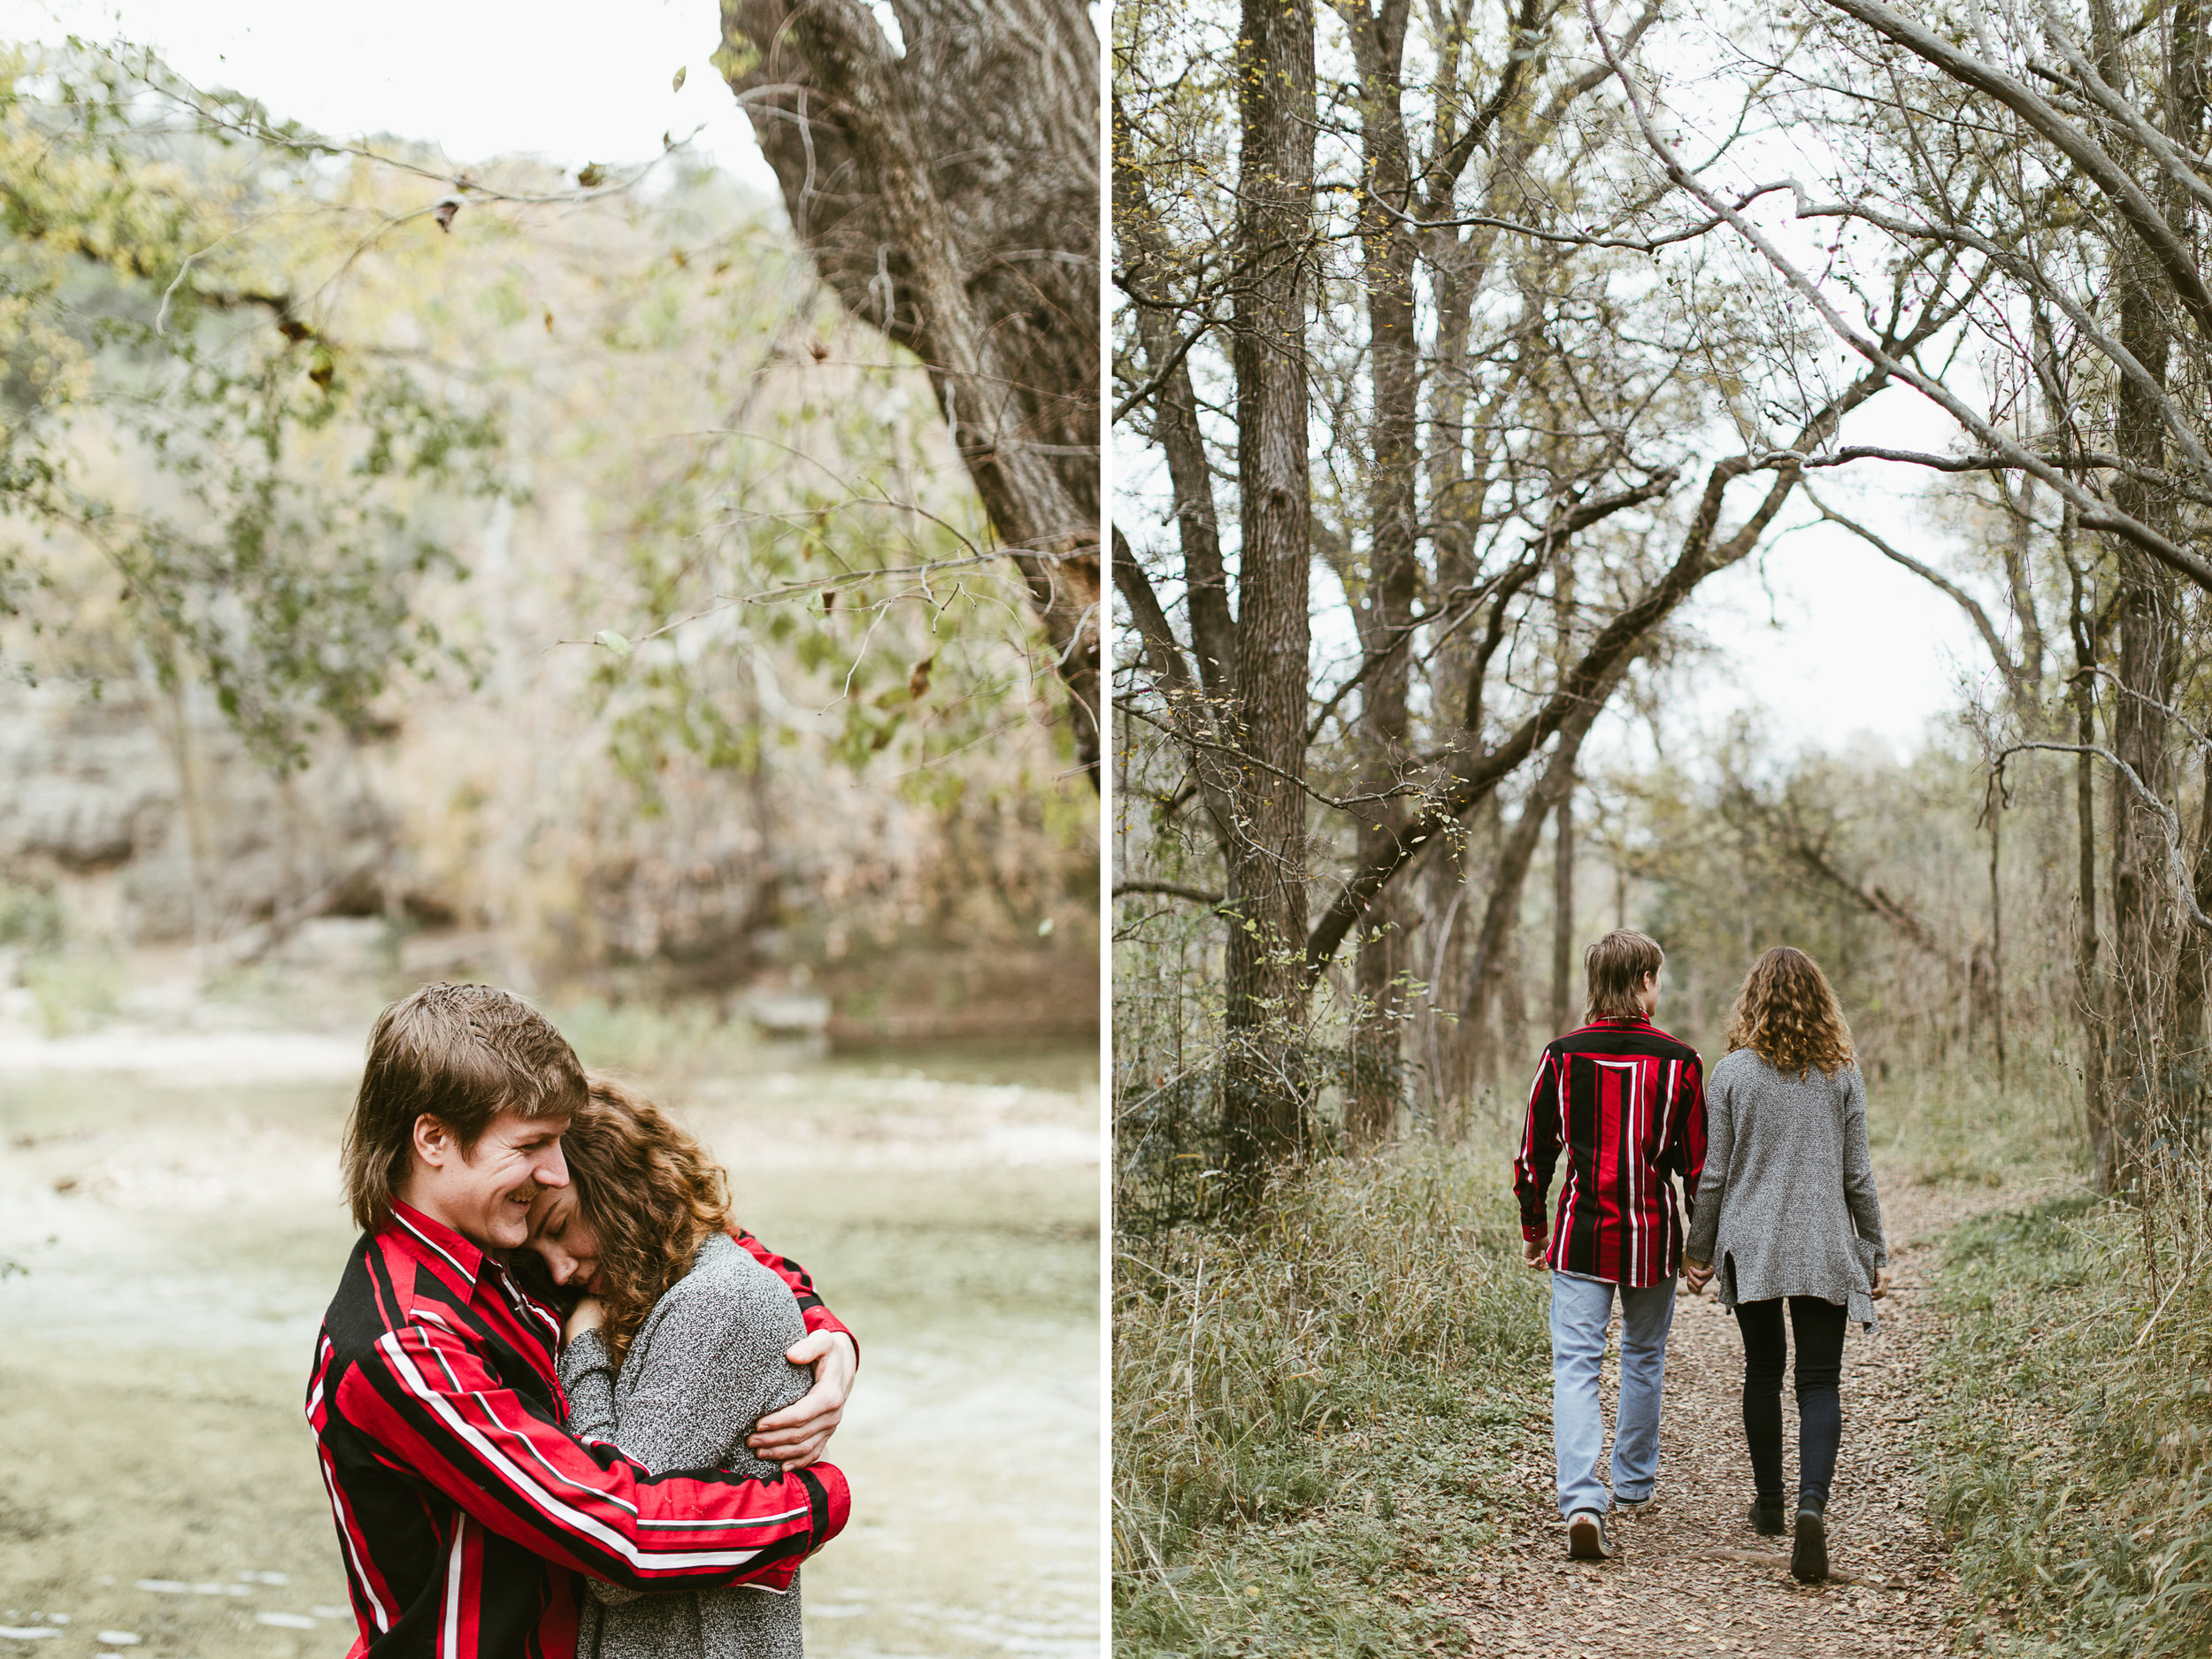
(1788, 1016)
(651, 1193)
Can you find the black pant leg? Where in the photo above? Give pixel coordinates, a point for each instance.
(1818, 1327)
(1765, 1354)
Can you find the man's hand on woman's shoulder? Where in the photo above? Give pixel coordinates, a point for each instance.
(797, 1435)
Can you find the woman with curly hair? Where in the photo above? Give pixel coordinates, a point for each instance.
(1787, 1207)
(676, 1348)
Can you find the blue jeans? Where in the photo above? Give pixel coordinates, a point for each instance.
(1579, 1309)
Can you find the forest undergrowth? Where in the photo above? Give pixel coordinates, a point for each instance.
(1316, 1410)
(2069, 1466)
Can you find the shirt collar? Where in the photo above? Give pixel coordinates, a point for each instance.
(436, 1246)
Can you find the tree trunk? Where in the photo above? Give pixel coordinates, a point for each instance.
(2145, 617)
(948, 194)
(1563, 915)
(1515, 853)
(1394, 573)
(1996, 937)
(1264, 1084)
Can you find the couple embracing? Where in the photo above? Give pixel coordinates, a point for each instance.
(564, 1407)
(1782, 1212)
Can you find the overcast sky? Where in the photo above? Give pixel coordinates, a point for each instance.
(565, 80)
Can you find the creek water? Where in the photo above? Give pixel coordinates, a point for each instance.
(171, 1230)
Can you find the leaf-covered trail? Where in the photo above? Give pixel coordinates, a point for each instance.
(1689, 1575)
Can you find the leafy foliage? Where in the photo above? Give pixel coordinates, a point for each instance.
(192, 391)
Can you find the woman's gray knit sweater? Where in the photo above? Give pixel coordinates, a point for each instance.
(1787, 1205)
(707, 1363)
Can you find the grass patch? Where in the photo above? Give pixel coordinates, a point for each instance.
(1953, 1122)
(1317, 1411)
(74, 990)
(2071, 1467)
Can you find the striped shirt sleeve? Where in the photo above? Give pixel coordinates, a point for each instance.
(1540, 1150)
(432, 1405)
(1687, 1154)
(812, 1309)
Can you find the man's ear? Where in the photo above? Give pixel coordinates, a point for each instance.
(433, 1143)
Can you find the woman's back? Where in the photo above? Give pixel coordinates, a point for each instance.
(707, 1363)
(1787, 1206)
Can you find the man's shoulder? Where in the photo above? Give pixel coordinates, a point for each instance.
(1605, 1038)
(382, 1290)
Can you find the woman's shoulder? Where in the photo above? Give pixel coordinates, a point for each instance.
(726, 1274)
(1737, 1065)
(1748, 1065)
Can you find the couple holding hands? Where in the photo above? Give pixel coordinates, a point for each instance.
(1783, 1214)
(564, 1407)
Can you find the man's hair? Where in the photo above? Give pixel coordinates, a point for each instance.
(1615, 967)
(460, 1054)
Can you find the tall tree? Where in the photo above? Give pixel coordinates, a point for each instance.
(1526, 517)
(2059, 154)
(946, 183)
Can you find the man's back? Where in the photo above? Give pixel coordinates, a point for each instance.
(1626, 1101)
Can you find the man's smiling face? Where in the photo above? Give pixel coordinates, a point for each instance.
(484, 1193)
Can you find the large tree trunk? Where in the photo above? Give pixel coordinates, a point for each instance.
(2142, 919)
(1386, 252)
(949, 194)
(1264, 1086)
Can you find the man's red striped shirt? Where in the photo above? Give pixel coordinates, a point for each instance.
(465, 1506)
(1626, 1103)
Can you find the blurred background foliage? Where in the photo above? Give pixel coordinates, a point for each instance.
(532, 571)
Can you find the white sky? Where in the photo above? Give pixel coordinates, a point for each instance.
(569, 82)
(1823, 635)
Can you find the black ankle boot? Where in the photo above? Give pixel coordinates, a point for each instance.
(1808, 1559)
(1766, 1518)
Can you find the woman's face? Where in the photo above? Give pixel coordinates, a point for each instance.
(564, 1239)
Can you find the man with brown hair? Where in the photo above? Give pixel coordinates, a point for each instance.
(465, 1506)
(1627, 1102)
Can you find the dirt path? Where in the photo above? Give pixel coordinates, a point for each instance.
(1690, 1578)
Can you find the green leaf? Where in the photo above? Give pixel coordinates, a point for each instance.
(612, 641)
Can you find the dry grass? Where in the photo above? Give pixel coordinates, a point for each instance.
(1325, 1391)
(2074, 1473)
